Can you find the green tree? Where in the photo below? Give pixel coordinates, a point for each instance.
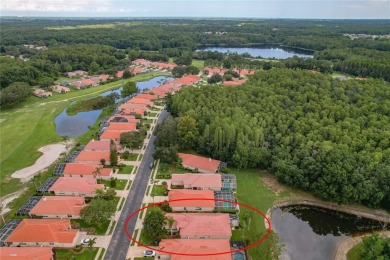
(215, 78)
(113, 154)
(97, 211)
(187, 132)
(129, 89)
(170, 222)
(14, 93)
(132, 139)
(376, 247)
(106, 194)
(154, 225)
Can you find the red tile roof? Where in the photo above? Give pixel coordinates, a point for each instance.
(187, 80)
(98, 145)
(122, 126)
(147, 96)
(133, 106)
(25, 253)
(136, 71)
(112, 134)
(59, 205)
(119, 74)
(92, 156)
(43, 230)
(76, 184)
(202, 180)
(132, 111)
(202, 224)
(194, 195)
(137, 100)
(196, 246)
(234, 82)
(130, 119)
(104, 77)
(199, 162)
(85, 169)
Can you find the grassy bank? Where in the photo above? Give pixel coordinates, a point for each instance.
(356, 252)
(30, 125)
(89, 104)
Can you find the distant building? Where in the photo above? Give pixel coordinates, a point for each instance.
(60, 89)
(202, 200)
(25, 253)
(199, 163)
(42, 93)
(77, 73)
(202, 181)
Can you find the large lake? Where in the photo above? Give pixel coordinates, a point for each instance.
(313, 233)
(76, 125)
(267, 53)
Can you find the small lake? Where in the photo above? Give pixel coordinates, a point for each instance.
(313, 233)
(76, 125)
(267, 53)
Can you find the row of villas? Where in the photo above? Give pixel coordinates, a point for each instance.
(197, 212)
(49, 223)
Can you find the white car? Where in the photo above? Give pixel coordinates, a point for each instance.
(85, 241)
(149, 253)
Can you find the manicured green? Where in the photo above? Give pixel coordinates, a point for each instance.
(158, 190)
(152, 114)
(65, 254)
(355, 252)
(147, 190)
(89, 104)
(147, 121)
(30, 125)
(132, 157)
(102, 253)
(135, 235)
(198, 63)
(126, 170)
(112, 227)
(166, 170)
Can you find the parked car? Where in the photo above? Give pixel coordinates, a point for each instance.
(149, 253)
(151, 165)
(85, 241)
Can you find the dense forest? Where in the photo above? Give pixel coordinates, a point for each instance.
(323, 135)
(101, 45)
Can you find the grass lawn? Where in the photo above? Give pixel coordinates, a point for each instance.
(152, 114)
(158, 190)
(355, 252)
(165, 170)
(147, 121)
(65, 254)
(126, 170)
(252, 191)
(120, 184)
(102, 253)
(98, 230)
(198, 63)
(132, 157)
(155, 109)
(30, 125)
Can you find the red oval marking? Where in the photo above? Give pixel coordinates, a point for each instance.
(218, 253)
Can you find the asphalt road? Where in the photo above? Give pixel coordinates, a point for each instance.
(120, 242)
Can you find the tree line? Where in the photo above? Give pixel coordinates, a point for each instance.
(323, 135)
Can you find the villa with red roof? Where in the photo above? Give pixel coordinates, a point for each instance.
(122, 126)
(147, 96)
(123, 119)
(96, 145)
(119, 74)
(192, 200)
(87, 170)
(136, 100)
(93, 157)
(58, 207)
(104, 77)
(112, 135)
(43, 232)
(200, 225)
(199, 163)
(234, 82)
(76, 186)
(77, 73)
(195, 246)
(202, 181)
(25, 253)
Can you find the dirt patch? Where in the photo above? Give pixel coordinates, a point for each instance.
(7, 199)
(50, 153)
(271, 182)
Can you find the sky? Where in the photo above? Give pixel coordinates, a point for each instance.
(311, 9)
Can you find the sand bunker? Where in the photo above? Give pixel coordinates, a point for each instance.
(50, 154)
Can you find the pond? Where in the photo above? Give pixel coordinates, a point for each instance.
(267, 53)
(76, 125)
(314, 233)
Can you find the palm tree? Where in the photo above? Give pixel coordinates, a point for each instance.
(171, 221)
(92, 242)
(96, 173)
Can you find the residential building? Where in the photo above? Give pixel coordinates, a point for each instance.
(192, 200)
(93, 157)
(26, 253)
(112, 135)
(97, 145)
(41, 93)
(87, 170)
(202, 181)
(199, 163)
(122, 127)
(76, 186)
(77, 73)
(43, 232)
(199, 247)
(58, 207)
(200, 225)
(60, 89)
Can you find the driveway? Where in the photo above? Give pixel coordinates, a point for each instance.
(120, 242)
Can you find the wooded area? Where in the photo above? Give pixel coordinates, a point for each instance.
(320, 134)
